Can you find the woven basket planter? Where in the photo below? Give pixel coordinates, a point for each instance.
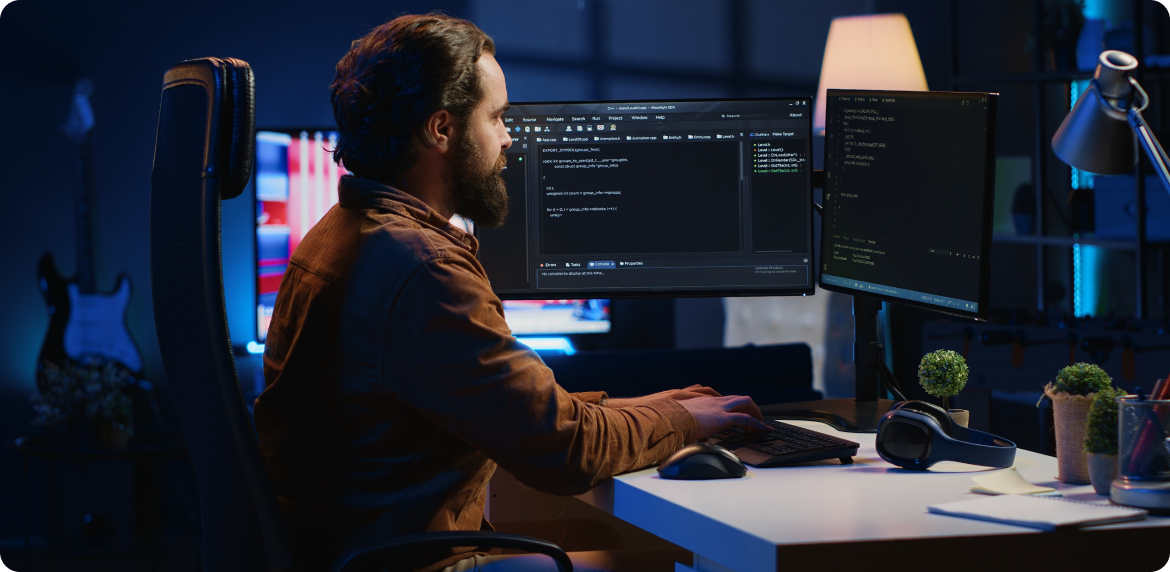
(1070, 415)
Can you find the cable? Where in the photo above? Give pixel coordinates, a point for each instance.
(888, 380)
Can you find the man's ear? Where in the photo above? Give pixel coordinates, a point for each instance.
(439, 130)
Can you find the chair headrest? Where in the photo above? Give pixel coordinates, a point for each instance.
(231, 137)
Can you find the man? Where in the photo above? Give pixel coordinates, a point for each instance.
(394, 387)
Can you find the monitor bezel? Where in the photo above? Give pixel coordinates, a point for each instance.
(691, 293)
(988, 214)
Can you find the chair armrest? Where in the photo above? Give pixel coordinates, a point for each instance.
(372, 556)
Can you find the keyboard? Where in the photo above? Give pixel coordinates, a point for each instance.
(784, 445)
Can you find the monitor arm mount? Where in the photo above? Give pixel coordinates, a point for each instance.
(862, 413)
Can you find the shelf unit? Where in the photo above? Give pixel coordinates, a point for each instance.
(1040, 79)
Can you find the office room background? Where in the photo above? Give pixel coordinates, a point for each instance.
(1066, 256)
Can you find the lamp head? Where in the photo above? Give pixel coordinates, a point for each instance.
(1096, 136)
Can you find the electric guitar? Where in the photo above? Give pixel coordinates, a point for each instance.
(82, 321)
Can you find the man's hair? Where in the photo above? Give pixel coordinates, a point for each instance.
(393, 79)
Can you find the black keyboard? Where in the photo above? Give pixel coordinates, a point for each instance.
(784, 445)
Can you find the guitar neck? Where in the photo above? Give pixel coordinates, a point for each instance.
(83, 189)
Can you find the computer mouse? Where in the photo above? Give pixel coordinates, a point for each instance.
(702, 461)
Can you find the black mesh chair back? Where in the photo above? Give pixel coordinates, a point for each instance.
(203, 154)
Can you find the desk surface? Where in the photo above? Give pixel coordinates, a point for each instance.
(746, 524)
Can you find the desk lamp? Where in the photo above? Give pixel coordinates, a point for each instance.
(1101, 133)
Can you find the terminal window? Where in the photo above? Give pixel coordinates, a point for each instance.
(700, 197)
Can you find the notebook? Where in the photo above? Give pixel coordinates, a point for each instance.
(1045, 513)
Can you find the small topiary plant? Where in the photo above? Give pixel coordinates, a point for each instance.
(943, 373)
(1101, 432)
(1081, 379)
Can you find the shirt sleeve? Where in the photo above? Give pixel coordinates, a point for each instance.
(451, 357)
(591, 397)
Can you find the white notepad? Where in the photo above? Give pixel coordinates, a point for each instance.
(1045, 513)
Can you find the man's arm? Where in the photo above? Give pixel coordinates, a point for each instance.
(675, 394)
(449, 355)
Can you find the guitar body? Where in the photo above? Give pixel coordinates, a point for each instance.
(55, 289)
(97, 326)
(83, 325)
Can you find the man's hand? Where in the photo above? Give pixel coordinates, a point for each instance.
(714, 414)
(695, 390)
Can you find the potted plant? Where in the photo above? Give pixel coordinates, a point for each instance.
(1101, 439)
(1072, 395)
(89, 400)
(943, 373)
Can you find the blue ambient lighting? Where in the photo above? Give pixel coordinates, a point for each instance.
(1091, 260)
(1077, 308)
(549, 344)
(255, 348)
(1086, 259)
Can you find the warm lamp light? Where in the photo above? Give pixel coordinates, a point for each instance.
(868, 52)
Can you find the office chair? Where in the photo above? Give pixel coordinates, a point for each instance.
(203, 154)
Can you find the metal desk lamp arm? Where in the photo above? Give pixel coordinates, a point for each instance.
(1150, 143)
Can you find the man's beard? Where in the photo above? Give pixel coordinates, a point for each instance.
(477, 192)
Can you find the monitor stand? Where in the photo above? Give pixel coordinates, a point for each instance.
(862, 413)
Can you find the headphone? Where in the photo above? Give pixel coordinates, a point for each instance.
(916, 435)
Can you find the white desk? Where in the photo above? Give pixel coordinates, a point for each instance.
(861, 516)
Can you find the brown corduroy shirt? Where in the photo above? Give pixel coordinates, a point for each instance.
(394, 387)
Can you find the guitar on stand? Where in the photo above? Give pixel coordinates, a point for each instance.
(82, 321)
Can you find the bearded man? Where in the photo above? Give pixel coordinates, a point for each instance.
(394, 387)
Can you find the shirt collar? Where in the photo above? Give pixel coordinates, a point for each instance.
(357, 193)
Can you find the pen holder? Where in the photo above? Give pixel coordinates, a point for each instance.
(1143, 460)
(1144, 427)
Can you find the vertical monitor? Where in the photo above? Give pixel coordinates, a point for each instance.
(908, 191)
(655, 198)
(296, 184)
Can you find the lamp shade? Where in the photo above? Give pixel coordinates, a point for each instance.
(1095, 136)
(868, 52)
